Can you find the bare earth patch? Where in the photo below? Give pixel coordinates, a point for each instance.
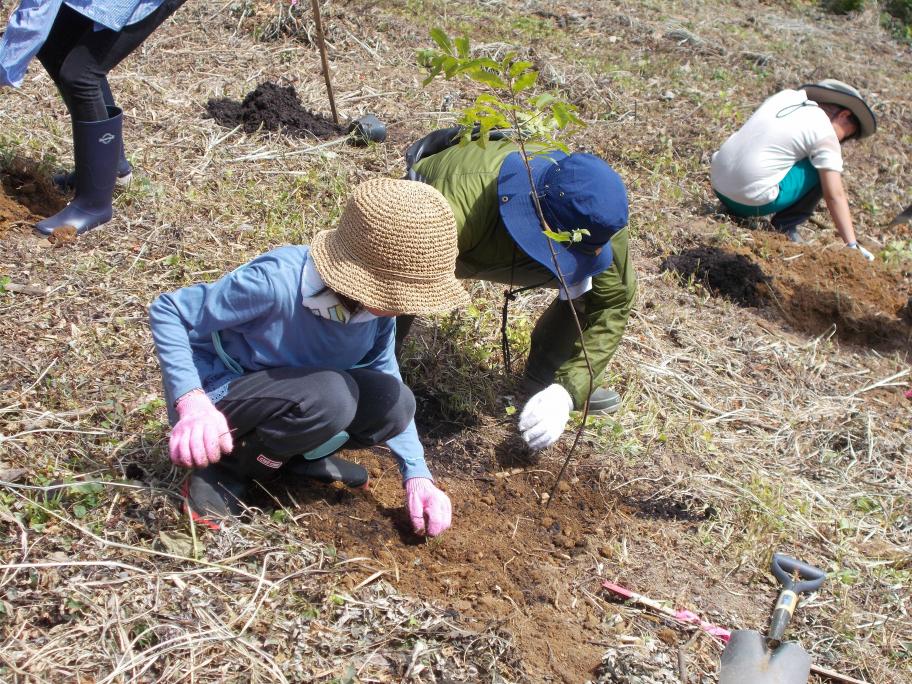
(743, 430)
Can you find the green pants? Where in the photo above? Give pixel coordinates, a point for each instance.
(798, 182)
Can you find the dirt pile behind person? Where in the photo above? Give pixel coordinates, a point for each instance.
(274, 108)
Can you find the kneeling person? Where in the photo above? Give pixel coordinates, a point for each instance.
(274, 367)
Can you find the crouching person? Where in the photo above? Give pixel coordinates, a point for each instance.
(788, 155)
(273, 368)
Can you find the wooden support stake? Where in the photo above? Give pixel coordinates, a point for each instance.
(315, 4)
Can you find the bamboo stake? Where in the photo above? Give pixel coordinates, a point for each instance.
(315, 4)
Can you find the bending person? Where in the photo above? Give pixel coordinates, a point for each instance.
(277, 365)
(788, 155)
(501, 240)
(78, 42)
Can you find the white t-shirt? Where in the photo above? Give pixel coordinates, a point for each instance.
(784, 130)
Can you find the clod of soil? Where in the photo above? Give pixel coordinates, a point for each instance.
(723, 273)
(673, 509)
(274, 108)
(25, 197)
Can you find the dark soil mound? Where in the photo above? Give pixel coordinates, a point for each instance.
(274, 108)
(724, 273)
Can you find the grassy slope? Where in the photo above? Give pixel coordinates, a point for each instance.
(775, 429)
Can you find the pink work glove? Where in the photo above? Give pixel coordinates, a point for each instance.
(201, 435)
(427, 504)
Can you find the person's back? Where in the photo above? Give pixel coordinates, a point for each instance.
(784, 130)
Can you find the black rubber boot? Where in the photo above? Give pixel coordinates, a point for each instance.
(214, 496)
(96, 148)
(328, 470)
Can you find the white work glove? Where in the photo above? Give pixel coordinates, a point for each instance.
(865, 253)
(545, 416)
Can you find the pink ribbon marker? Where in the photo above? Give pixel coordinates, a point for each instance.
(683, 616)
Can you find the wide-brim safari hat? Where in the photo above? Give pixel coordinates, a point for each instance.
(576, 191)
(394, 248)
(842, 94)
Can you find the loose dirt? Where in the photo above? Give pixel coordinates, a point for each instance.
(733, 276)
(508, 560)
(25, 197)
(274, 108)
(813, 287)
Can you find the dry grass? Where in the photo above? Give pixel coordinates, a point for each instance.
(798, 444)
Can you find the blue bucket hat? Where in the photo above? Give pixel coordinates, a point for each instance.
(575, 191)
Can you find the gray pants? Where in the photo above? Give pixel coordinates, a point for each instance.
(278, 413)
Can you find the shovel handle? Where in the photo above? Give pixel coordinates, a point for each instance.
(784, 567)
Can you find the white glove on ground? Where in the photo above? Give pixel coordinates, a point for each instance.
(865, 253)
(545, 416)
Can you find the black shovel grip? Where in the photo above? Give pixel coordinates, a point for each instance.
(784, 567)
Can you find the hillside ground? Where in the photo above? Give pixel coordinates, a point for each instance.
(762, 382)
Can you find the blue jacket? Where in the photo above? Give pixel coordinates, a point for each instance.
(31, 23)
(262, 321)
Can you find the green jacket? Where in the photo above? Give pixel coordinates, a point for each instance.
(467, 177)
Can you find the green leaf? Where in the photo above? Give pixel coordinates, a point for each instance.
(462, 46)
(524, 82)
(562, 236)
(87, 488)
(450, 66)
(79, 511)
(541, 101)
(440, 37)
(518, 67)
(489, 78)
(180, 544)
(561, 114)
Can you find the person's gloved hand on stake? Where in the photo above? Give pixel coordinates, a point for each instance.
(201, 435)
(429, 508)
(545, 416)
(861, 250)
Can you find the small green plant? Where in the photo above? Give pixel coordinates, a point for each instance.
(897, 251)
(843, 6)
(536, 121)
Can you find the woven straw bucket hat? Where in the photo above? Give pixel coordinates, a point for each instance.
(394, 249)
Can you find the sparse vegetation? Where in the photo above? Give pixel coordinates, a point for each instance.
(757, 435)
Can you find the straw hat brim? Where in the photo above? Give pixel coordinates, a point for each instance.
(380, 290)
(858, 107)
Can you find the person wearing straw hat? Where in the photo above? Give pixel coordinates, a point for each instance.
(788, 155)
(279, 364)
(501, 240)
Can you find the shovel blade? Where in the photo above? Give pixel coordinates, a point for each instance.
(747, 660)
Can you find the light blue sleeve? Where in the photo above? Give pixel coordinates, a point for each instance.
(406, 446)
(239, 297)
(25, 33)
